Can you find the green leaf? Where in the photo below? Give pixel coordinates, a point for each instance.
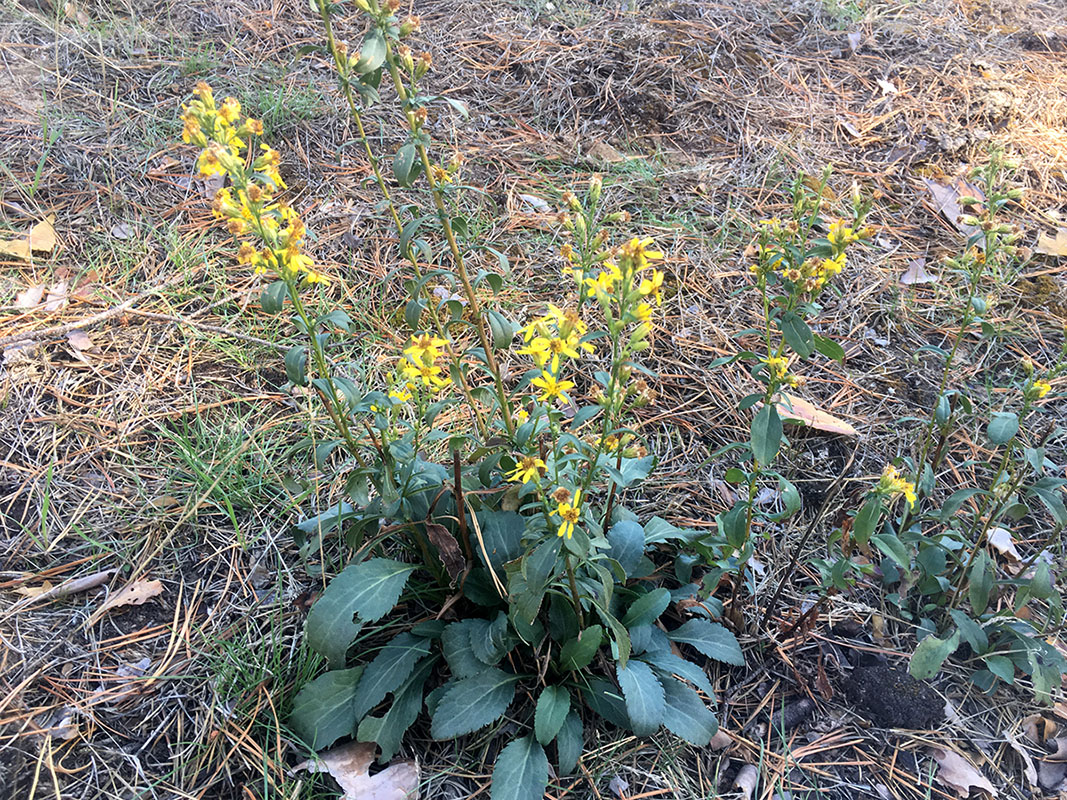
(372, 53)
(368, 590)
(980, 582)
(889, 544)
(272, 299)
(711, 639)
(627, 540)
(670, 664)
(295, 365)
(472, 703)
(552, 708)
(489, 639)
(1001, 666)
(456, 646)
(406, 165)
(389, 669)
(502, 533)
(322, 710)
(578, 653)
(569, 744)
(520, 772)
(687, 717)
(867, 518)
(388, 730)
(829, 348)
(766, 435)
(647, 609)
(1003, 425)
(645, 704)
(931, 653)
(604, 698)
(797, 334)
(502, 329)
(971, 631)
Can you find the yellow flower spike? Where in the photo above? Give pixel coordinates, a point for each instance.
(527, 469)
(569, 513)
(551, 387)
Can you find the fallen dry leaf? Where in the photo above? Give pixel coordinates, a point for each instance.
(1028, 763)
(1060, 753)
(1053, 245)
(746, 781)
(57, 297)
(29, 298)
(80, 340)
(40, 239)
(790, 407)
(958, 773)
(721, 740)
(348, 764)
(1000, 538)
(34, 591)
(603, 151)
(947, 197)
(916, 273)
(134, 593)
(447, 548)
(887, 87)
(855, 38)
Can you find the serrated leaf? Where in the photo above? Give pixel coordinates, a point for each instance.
(388, 730)
(606, 700)
(322, 709)
(710, 639)
(570, 742)
(520, 772)
(670, 664)
(647, 608)
(456, 646)
(579, 652)
(627, 540)
(489, 638)
(389, 669)
(472, 703)
(369, 589)
(687, 717)
(643, 693)
(552, 708)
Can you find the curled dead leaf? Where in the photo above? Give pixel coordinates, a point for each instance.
(916, 273)
(349, 764)
(1000, 539)
(958, 773)
(134, 593)
(447, 548)
(29, 298)
(796, 408)
(746, 781)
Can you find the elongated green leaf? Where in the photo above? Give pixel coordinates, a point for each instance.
(711, 639)
(322, 709)
(797, 334)
(388, 730)
(606, 700)
(372, 52)
(645, 704)
(889, 544)
(570, 742)
(667, 663)
(687, 717)
(472, 703)
(647, 609)
(389, 669)
(829, 348)
(627, 540)
(766, 435)
(456, 645)
(980, 582)
(867, 519)
(368, 590)
(579, 652)
(931, 653)
(520, 772)
(406, 165)
(552, 708)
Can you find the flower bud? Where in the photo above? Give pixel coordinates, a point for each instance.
(596, 185)
(423, 65)
(409, 26)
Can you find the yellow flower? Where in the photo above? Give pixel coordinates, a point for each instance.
(569, 513)
(440, 174)
(551, 387)
(776, 366)
(230, 110)
(892, 485)
(840, 234)
(400, 395)
(558, 347)
(208, 163)
(833, 266)
(424, 348)
(528, 469)
(652, 286)
(1040, 389)
(637, 252)
(643, 312)
(538, 349)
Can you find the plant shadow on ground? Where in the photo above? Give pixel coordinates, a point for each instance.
(162, 451)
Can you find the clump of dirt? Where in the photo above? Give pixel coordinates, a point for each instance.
(891, 698)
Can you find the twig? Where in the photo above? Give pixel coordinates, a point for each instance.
(244, 337)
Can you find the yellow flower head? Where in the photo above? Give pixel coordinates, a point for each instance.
(637, 254)
(776, 366)
(840, 234)
(230, 110)
(424, 349)
(569, 514)
(892, 485)
(652, 286)
(527, 469)
(551, 387)
(1039, 389)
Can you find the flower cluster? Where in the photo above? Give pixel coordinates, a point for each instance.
(250, 206)
(420, 369)
(892, 485)
(549, 340)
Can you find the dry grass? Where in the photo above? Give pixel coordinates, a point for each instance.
(696, 113)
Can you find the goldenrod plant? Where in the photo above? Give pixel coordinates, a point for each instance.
(510, 516)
